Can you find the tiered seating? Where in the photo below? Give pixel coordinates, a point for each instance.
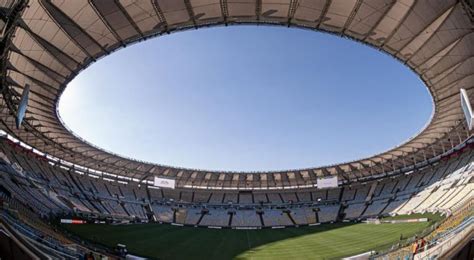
(113, 190)
(361, 193)
(22, 195)
(50, 189)
(86, 185)
(100, 188)
(193, 215)
(98, 205)
(310, 215)
(127, 192)
(441, 194)
(181, 214)
(216, 217)
(353, 211)
(375, 208)
(466, 193)
(88, 204)
(276, 217)
(45, 200)
(140, 192)
(246, 218)
(348, 194)
(135, 210)
(245, 198)
(304, 196)
(201, 196)
(114, 207)
(301, 216)
(289, 197)
(231, 197)
(450, 192)
(437, 175)
(186, 196)
(333, 194)
(78, 204)
(387, 188)
(260, 197)
(171, 194)
(328, 213)
(155, 194)
(274, 198)
(56, 248)
(394, 205)
(401, 184)
(216, 198)
(414, 181)
(163, 213)
(322, 195)
(413, 202)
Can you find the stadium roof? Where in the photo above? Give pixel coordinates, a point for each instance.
(47, 43)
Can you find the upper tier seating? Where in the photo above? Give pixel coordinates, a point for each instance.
(51, 189)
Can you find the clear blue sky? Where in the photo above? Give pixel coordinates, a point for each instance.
(246, 98)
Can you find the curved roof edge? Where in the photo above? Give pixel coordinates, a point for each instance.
(48, 43)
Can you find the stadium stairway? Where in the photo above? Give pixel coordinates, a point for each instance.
(340, 213)
(287, 212)
(365, 208)
(125, 209)
(200, 218)
(231, 216)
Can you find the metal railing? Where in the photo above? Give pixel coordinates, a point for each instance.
(460, 219)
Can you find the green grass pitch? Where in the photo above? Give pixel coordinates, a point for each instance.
(327, 241)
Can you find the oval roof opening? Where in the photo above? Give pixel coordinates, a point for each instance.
(246, 99)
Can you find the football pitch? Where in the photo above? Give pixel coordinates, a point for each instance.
(327, 241)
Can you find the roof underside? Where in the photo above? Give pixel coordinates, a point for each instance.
(47, 43)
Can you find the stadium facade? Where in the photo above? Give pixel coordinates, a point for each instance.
(44, 165)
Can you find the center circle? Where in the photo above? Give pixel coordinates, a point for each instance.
(246, 99)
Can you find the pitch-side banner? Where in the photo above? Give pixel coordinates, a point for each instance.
(329, 182)
(164, 183)
(72, 221)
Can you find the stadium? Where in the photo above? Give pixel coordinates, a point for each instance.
(65, 198)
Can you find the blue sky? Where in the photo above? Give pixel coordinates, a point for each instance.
(246, 98)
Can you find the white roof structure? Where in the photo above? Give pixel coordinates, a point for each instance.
(47, 43)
